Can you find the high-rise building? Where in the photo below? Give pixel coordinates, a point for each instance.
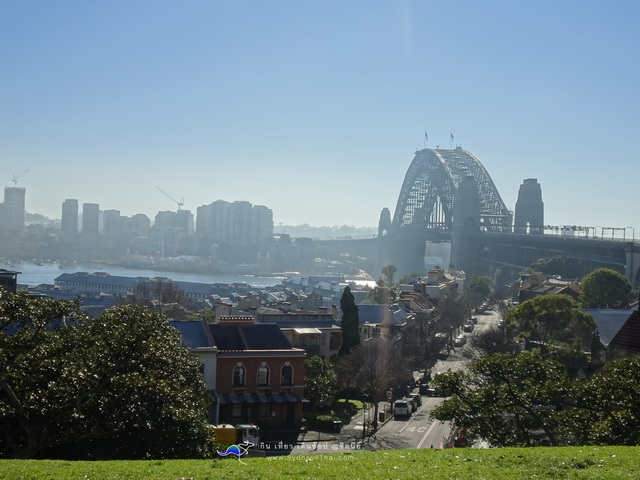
(69, 224)
(237, 223)
(90, 218)
(240, 223)
(13, 212)
(261, 223)
(111, 223)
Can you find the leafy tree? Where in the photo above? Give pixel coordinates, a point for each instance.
(605, 288)
(388, 271)
(164, 296)
(478, 289)
(372, 368)
(488, 342)
(506, 397)
(382, 293)
(614, 395)
(563, 266)
(320, 383)
(120, 386)
(549, 319)
(350, 322)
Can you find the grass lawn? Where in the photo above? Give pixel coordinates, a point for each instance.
(477, 464)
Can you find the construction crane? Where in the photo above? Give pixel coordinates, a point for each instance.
(15, 179)
(180, 203)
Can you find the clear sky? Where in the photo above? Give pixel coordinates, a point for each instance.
(315, 109)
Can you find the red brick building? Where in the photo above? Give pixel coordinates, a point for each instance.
(259, 375)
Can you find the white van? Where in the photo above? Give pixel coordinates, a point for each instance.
(401, 408)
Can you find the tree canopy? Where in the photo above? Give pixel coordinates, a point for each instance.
(551, 319)
(605, 288)
(320, 382)
(164, 296)
(478, 289)
(350, 322)
(119, 386)
(505, 397)
(523, 399)
(558, 265)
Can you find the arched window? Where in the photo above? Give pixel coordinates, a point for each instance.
(263, 375)
(238, 376)
(287, 375)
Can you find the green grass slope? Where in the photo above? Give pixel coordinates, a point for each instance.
(477, 464)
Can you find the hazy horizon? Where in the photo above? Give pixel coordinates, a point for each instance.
(316, 110)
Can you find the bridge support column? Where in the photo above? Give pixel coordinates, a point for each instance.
(632, 268)
(466, 220)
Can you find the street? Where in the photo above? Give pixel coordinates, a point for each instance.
(416, 432)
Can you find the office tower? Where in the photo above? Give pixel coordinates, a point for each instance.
(111, 223)
(69, 225)
(261, 223)
(13, 207)
(239, 223)
(90, 218)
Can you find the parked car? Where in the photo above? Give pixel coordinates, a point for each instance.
(460, 340)
(417, 399)
(468, 327)
(401, 408)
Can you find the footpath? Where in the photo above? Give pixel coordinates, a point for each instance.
(359, 427)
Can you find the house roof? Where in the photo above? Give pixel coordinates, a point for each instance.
(193, 334)
(628, 337)
(609, 321)
(371, 313)
(260, 336)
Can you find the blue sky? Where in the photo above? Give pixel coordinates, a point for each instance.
(315, 109)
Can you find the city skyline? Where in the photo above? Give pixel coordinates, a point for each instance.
(315, 111)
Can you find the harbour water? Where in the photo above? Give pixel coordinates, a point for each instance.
(36, 274)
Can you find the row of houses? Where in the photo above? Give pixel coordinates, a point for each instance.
(618, 329)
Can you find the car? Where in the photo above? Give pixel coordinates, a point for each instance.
(401, 408)
(474, 320)
(500, 323)
(460, 340)
(468, 327)
(412, 402)
(417, 399)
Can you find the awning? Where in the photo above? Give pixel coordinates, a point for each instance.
(246, 398)
(307, 331)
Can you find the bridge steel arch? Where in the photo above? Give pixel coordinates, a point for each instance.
(428, 192)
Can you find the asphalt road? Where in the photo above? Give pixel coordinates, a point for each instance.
(415, 432)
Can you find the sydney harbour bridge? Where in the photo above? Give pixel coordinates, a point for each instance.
(448, 198)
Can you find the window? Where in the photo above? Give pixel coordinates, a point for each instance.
(265, 410)
(287, 375)
(237, 411)
(238, 376)
(263, 375)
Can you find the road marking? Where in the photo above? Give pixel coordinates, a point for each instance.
(433, 424)
(424, 404)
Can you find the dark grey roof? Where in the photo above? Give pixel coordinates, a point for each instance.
(608, 321)
(192, 334)
(371, 313)
(262, 336)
